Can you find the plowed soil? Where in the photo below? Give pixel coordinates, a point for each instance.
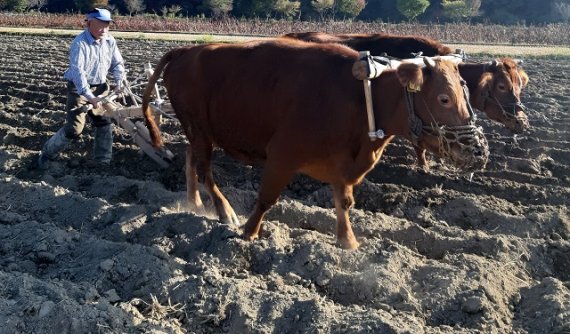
(112, 250)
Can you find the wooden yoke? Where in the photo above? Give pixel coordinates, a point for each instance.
(369, 67)
(365, 69)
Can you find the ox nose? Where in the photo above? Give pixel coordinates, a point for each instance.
(481, 154)
(520, 124)
(523, 123)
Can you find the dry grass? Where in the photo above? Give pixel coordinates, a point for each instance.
(514, 41)
(473, 49)
(551, 34)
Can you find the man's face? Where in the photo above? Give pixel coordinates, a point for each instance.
(98, 29)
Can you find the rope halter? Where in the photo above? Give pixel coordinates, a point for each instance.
(468, 138)
(472, 146)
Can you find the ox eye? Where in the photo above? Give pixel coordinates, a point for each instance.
(444, 100)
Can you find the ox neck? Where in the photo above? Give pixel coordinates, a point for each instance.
(471, 73)
(390, 108)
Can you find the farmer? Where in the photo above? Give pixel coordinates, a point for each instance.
(92, 55)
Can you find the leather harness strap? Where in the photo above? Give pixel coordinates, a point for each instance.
(415, 123)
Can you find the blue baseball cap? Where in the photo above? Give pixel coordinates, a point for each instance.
(100, 14)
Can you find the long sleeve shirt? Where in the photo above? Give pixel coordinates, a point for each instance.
(90, 61)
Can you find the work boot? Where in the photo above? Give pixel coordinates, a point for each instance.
(103, 144)
(52, 147)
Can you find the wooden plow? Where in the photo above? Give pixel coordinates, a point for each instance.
(137, 130)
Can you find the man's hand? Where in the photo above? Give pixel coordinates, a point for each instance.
(96, 102)
(118, 90)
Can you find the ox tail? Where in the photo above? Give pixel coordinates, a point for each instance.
(147, 111)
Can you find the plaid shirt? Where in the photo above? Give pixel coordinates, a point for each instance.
(90, 61)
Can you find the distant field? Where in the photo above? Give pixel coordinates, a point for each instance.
(493, 50)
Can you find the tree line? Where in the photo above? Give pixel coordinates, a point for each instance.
(393, 11)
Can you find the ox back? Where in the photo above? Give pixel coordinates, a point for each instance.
(398, 46)
(241, 97)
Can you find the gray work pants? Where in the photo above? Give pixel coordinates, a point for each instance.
(75, 123)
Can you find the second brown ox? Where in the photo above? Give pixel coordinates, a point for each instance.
(494, 87)
(296, 107)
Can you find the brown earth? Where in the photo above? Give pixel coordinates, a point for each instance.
(86, 250)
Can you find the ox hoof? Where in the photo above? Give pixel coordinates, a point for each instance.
(348, 243)
(250, 236)
(231, 220)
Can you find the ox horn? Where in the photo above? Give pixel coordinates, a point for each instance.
(430, 63)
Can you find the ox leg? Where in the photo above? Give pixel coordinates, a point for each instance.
(343, 201)
(421, 154)
(202, 152)
(194, 200)
(273, 180)
(223, 208)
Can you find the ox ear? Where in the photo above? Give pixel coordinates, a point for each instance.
(410, 75)
(524, 77)
(430, 63)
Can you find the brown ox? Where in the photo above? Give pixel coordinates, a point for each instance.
(296, 107)
(494, 87)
